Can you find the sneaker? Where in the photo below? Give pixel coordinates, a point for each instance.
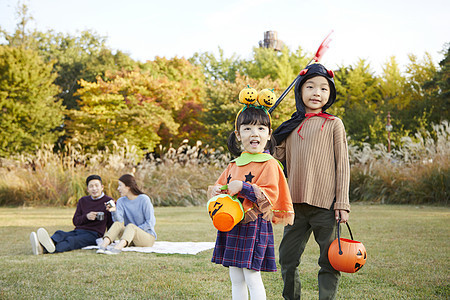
(112, 251)
(35, 245)
(101, 250)
(45, 240)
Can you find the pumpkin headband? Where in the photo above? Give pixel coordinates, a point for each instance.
(251, 98)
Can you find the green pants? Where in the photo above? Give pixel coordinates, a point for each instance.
(322, 223)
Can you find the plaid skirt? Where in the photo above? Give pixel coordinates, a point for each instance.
(249, 246)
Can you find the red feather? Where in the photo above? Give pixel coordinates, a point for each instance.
(323, 47)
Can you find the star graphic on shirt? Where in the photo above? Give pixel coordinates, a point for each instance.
(228, 179)
(249, 177)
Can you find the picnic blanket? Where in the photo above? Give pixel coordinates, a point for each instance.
(168, 247)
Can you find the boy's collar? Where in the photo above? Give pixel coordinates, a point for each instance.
(101, 196)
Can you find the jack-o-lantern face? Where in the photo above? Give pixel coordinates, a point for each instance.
(225, 212)
(266, 98)
(352, 257)
(248, 95)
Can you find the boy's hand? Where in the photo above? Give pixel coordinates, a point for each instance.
(234, 187)
(91, 215)
(341, 214)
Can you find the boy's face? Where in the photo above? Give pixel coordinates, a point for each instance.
(95, 188)
(315, 94)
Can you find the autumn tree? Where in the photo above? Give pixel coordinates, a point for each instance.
(160, 104)
(179, 87)
(30, 113)
(121, 107)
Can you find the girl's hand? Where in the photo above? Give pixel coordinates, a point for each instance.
(111, 208)
(341, 214)
(215, 190)
(234, 187)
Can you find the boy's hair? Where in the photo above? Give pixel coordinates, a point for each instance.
(249, 116)
(93, 177)
(130, 182)
(285, 129)
(311, 71)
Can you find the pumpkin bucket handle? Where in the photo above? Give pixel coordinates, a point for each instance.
(338, 234)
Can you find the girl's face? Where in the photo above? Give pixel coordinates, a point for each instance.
(254, 137)
(123, 189)
(315, 94)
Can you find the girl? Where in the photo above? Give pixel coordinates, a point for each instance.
(257, 179)
(134, 219)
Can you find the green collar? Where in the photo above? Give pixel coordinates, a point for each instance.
(247, 158)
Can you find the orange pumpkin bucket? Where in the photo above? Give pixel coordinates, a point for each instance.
(225, 212)
(347, 255)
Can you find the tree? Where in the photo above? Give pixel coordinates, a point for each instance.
(30, 113)
(84, 56)
(22, 37)
(439, 85)
(221, 69)
(359, 94)
(283, 66)
(119, 108)
(147, 107)
(182, 92)
(223, 105)
(392, 86)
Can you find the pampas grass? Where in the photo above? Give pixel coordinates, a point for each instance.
(171, 177)
(415, 172)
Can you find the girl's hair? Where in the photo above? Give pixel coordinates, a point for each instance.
(130, 182)
(249, 116)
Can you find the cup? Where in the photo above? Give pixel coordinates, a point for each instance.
(100, 216)
(110, 204)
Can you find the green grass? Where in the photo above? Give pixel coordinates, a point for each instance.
(408, 258)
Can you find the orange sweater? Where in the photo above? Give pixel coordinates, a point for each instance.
(317, 166)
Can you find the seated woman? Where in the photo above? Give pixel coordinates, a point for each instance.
(134, 219)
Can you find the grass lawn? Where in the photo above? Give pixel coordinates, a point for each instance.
(408, 258)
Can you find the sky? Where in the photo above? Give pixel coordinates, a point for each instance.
(370, 30)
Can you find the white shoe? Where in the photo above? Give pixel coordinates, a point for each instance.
(35, 245)
(101, 250)
(112, 251)
(45, 240)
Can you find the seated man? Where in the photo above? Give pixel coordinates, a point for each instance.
(91, 219)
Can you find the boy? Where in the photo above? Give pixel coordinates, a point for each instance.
(91, 219)
(314, 147)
